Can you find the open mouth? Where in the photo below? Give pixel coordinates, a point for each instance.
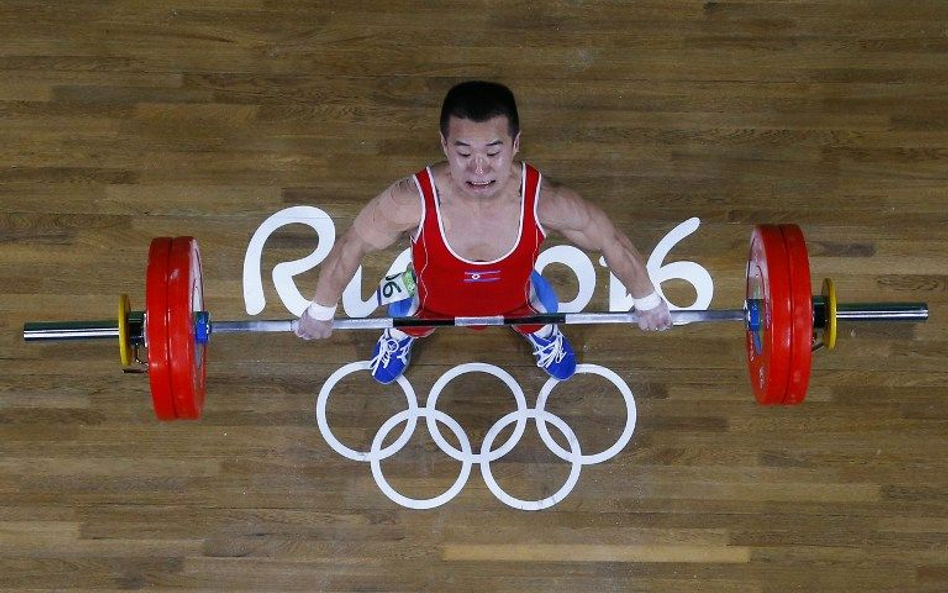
(480, 184)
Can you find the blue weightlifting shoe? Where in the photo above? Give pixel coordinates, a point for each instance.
(554, 354)
(390, 357)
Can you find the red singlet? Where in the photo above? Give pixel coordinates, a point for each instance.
(451, 286)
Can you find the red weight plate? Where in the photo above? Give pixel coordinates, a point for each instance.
(185, 297)
(768, 281)
(801, 304)
(156, 328)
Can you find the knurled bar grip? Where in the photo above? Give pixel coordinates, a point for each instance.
(678, 318)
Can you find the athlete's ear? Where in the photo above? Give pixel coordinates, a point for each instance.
(444, 143)
(516, 144)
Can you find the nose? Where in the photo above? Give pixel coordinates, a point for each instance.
(479, 162)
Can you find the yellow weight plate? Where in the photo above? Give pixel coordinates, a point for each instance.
(125, 346)
(829, 332)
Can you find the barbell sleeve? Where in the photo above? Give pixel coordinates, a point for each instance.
(82, 330)
(882, 311)
(70, 330)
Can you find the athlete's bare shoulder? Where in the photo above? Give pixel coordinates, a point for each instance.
(390, 214)
(559, 207)
(400, 204)
(404, 193)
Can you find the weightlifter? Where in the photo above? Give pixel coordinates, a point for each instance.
(476, 222)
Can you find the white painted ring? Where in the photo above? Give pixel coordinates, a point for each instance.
(477, 367)
(627, 431)
(332, 441)
(571, 480)
(376, 457)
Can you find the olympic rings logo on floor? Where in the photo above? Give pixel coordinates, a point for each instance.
(466, 455)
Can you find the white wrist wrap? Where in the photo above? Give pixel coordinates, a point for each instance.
(647, 303)
(321, 313)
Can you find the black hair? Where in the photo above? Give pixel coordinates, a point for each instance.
(480, 101)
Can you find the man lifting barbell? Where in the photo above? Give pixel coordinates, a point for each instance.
(469, 275)
(475, 236)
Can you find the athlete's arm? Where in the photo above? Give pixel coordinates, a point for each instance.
(378, 226)
(586, 225)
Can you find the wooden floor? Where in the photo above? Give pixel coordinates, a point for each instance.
(120, 121)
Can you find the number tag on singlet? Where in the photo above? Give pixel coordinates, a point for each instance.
(396, 287)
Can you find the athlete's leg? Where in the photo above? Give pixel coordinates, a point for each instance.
(553, 351)
(392, 351)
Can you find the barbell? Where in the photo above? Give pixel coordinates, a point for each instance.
(784, 323)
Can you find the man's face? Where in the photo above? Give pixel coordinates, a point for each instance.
(480, 154)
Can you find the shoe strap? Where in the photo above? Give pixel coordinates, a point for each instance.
(549, 353)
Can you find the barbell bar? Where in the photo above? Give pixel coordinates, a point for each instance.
(109, 328)
(783, 321)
